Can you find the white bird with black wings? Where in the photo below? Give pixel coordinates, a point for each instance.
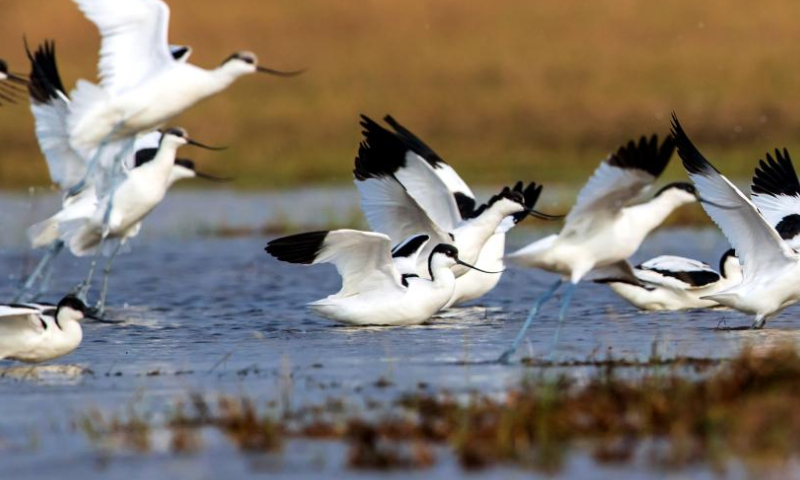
(771, 267)
(374, 290)
(603, 229)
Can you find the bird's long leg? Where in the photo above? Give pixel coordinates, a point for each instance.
(44, 283)
(537, 305)
(78, 187)
(561, 314)
(82, 291)
(101, 304)
(759, 322)
(52, 253)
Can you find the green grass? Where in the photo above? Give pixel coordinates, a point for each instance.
(534, 90)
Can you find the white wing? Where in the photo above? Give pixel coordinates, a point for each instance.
(776, 193)
(391, 210)
(134, 39)
(50, 107)
(363, 259)
(429, 191)
(621, 178)
(448, 177)
(759, 247)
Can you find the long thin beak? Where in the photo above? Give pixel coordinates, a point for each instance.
(212, 178)
(724, 207)
(279, 73)
(474, 267)
(17, 78)
(198, 144)
(544, 216)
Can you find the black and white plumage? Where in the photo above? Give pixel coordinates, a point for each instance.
(11, 84)
(142, 84)
(605, 228)
(407, 189)
(34, 333)
(80, 222)
(770, 267)
(669, 283)
(775, 190)
(374, 291)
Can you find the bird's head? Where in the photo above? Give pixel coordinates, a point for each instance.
(177, 137)
(445, 256)
(70, 308)
(244, 63)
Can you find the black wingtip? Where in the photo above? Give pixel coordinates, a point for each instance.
(414, 143)
(531, 193)
(693, 160)
(380, 154)
(410, 246)
(646, 155)
(776, 176)
(300, 248)
(44, 80)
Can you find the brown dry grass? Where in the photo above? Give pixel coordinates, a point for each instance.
(504, 90)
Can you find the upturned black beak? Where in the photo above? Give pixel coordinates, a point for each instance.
(724, 207)
(198, 144)
(279, 73)
(543, 216)
(212, 178)
(458, 261)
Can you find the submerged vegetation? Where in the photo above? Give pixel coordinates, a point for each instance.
(743, 409)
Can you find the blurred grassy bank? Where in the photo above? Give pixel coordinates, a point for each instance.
(517, 89)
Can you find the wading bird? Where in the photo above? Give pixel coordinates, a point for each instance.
(37, 333)
(669, 283)
(603, 230)
(770, 267)
(9, 84)
(402, 196)
(142, 86)
(413, 173)
(49, 105)
(374, 292)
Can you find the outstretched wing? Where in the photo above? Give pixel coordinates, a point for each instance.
(621, 178)
(50, 107)
(134, 39)
(776, 193)
(363, 259)
(759, 247)
(462, 194)
(404, 157)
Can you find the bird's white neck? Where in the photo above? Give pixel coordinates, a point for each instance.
(477, 231)
(647, 216)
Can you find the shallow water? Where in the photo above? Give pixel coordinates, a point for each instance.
(206, 314)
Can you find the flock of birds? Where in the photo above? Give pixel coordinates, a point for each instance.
(433, 245)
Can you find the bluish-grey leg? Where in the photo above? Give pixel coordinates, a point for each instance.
(534, 311)
(52, 253)
(561, 314)
(100, 308)
(44, 284)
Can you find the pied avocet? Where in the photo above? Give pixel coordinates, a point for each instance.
(37, 333)
(770, 266)
(668, 283)
(374, 291)
(603, 230)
